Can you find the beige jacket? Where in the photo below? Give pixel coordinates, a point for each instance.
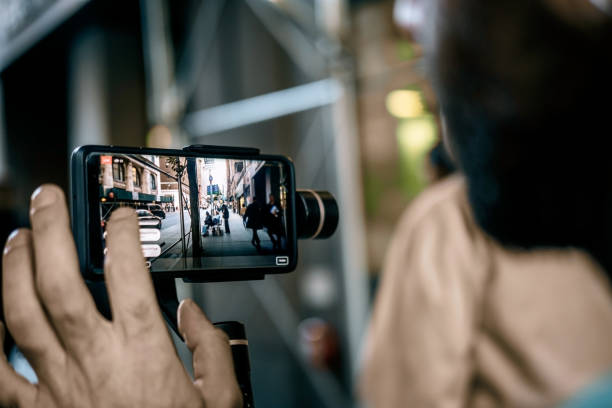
(460, 321)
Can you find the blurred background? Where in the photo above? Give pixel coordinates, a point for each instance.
(331, 83)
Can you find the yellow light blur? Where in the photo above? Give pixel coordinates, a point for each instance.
(405, 104)
(416, 136)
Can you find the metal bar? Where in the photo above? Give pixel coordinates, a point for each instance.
(262, 107)
(159, 62)
(297, 10)
(199, 41)
(48, 20)
(182, 216)
(170, 247)
(343, 131)
(300, 48)
(4, 169)
(88, 115)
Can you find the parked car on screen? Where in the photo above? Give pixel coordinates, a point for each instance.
(146, 219)
(157, 211)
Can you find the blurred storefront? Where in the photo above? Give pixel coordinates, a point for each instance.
(397, 126)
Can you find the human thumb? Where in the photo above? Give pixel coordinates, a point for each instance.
(213, 367)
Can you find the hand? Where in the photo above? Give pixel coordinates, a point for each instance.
(83, 360)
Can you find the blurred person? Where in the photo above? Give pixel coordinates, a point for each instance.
(82, 359)
(253, 220)
(496, 287)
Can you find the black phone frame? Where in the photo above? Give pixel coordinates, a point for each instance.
(81, 196)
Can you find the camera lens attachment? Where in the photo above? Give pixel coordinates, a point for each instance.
(316, 214)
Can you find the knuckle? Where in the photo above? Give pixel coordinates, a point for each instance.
(33, 349)
(141, 310)
(17, 321)
(50, 288)
(67, 315)
(63, 307)
(47, 219)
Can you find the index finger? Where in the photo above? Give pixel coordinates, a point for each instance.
(130, 287)
(59, 282)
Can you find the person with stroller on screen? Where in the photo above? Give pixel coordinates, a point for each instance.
(208, 223)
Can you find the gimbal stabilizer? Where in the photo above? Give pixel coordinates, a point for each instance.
(165, 288)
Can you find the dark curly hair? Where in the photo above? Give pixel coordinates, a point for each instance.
(526, 94)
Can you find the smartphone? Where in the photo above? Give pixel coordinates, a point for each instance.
(206, 213)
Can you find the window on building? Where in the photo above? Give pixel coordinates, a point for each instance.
(136, 176)
(153, 182)
(118, 171)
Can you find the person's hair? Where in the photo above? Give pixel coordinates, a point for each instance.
(440, 161)
(525, 93)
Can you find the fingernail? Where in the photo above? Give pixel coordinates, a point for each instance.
(12, 236)
(184, 303)
(43, 197)
(9, 240)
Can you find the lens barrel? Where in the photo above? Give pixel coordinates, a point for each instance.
(316, 214)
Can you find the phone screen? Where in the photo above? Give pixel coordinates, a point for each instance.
(196, 213)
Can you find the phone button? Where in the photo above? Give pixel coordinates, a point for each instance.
(282, 260)
(151, 250)
(149, 235)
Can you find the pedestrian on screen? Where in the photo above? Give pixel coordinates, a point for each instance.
(226, 215)
(253, 220)
(272, 219)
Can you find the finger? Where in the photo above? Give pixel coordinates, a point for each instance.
(60, 286)
(213, 367)
(15, 391)
(132, 296)
(25, 316)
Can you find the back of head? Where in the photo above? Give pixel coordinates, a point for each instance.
(525, 89)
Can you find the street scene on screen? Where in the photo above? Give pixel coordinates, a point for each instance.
(200, 213)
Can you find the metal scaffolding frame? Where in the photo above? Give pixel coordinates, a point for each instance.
(330, 95)
(3, 147)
